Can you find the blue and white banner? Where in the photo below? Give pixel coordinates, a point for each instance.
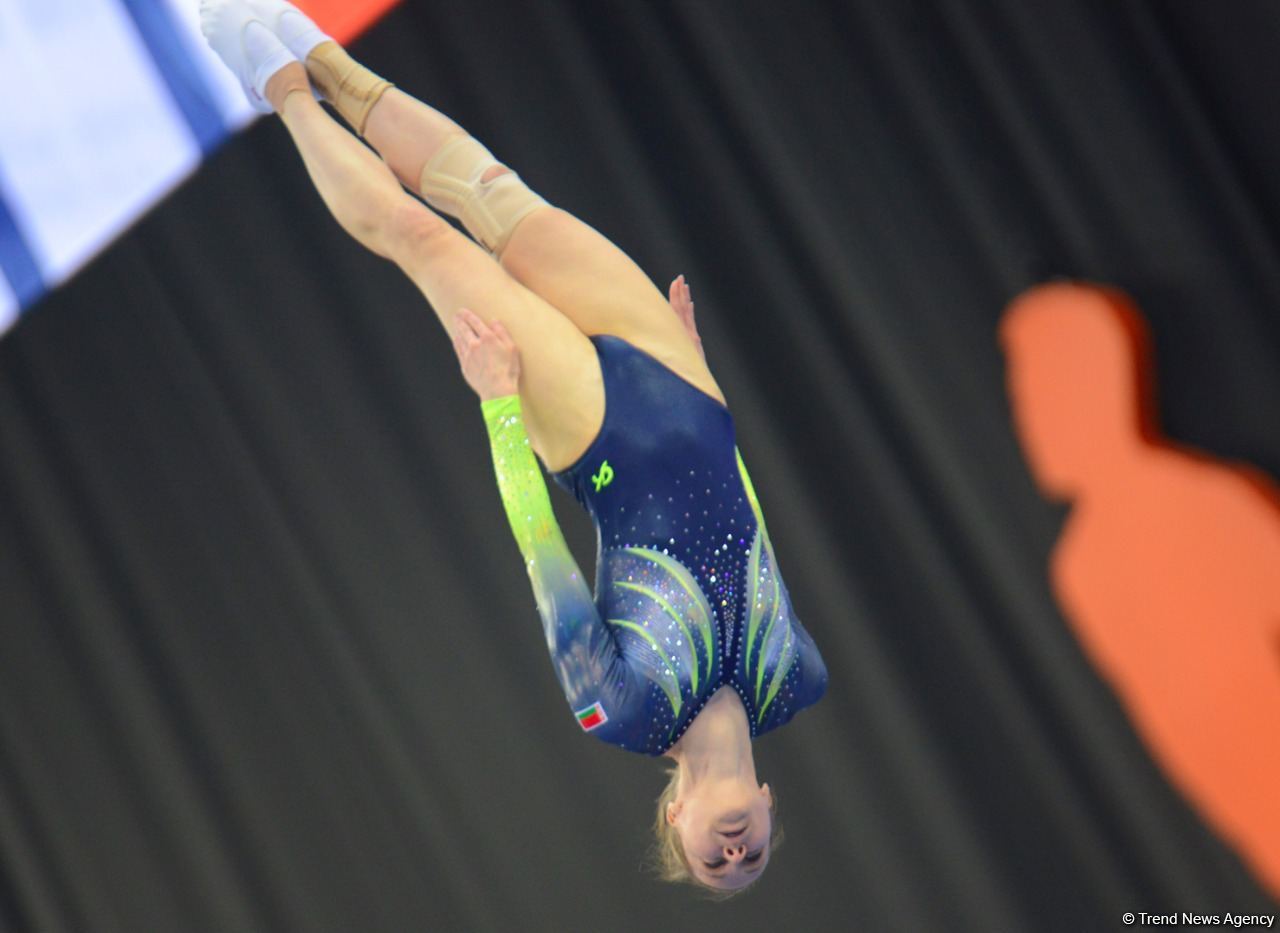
(108, 105)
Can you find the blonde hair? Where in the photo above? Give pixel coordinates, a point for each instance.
(669, 858)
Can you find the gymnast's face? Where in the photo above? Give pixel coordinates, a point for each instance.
(725, 829)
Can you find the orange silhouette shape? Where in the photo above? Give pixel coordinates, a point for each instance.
(1168, 568)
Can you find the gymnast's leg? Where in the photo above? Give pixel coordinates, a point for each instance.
(560, 383)
(559, 257)
(565, 261)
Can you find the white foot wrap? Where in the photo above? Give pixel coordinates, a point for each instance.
(245, 44)
(291, 25)
(489, 210)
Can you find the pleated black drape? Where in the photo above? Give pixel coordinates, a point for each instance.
(269, 660)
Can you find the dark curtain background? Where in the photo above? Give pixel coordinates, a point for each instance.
(269, 660)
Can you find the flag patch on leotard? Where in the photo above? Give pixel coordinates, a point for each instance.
(594, 715)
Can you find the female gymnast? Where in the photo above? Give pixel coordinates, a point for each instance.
(690, 648)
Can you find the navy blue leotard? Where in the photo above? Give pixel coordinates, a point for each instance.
(688, 597)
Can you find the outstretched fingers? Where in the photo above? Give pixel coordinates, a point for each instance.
(488, 355)
(462, 335)
(681, 298)
(503, 336)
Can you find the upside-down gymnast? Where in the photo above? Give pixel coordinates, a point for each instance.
(689, 648)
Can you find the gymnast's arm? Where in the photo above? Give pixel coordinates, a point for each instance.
(681, 298)
(808, 671)
(597, 681)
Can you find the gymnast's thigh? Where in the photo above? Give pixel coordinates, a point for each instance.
(561, 386)
(596, 285)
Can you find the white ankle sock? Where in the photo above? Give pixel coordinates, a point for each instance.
(299, 33)
(244, 42)
(295, 28)
(264, 53)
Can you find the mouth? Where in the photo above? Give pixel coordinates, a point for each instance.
(736, 833)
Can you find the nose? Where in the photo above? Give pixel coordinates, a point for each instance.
(735, 853)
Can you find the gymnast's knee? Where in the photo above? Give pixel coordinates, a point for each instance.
(410, 232)
(464, 180)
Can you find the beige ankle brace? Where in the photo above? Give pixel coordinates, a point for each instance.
(345, 83)
(450, 182)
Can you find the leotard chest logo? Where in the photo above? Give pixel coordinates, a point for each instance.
(604, 477)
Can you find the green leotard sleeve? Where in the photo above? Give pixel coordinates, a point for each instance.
(528, 506)
(520, 483)
(583, 648)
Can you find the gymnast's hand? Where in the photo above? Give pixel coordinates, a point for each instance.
(490, 358)
(682, 304)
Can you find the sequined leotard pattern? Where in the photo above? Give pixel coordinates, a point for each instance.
(688, 597)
